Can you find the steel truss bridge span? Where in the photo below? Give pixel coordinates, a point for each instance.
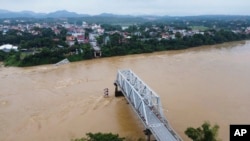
(146, 104)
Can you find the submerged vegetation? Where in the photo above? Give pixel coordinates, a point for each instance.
(104, 137)
(101, 137)
(204, 133)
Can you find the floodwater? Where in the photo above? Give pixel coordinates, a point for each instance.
(60, 103)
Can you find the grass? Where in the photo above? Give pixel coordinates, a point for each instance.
(200, 28)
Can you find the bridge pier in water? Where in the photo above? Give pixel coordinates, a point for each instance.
(148, 133)
(146, 104)
(118, 93)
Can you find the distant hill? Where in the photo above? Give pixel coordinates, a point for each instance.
(58, 14)
(4, 11)
(31, 14)
(11, 14)
(64, 13)
(113, 15)
(120, 19)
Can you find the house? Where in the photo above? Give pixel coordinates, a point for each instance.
(8, 48)
(100, 31)
(137, 33)
(70, 40)
(80, 39)
(92, 37)
(85, 25)
(247, 30)
(165, 36)
(56, 31)
(124, 27)
(80, 30)
(106, 40)
(95, 26)
(75, 34)
(5, 31)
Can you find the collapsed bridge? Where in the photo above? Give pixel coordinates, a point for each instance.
(146, 104)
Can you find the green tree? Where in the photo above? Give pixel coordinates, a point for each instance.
(178, 35)
(101, 137)
(3, 55)
(47, 32)
(203, 133)
(12, 58)
(115, 39)
(87, 51)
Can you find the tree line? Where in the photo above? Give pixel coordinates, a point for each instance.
(135, 45)
(47, 56)
(206, 132)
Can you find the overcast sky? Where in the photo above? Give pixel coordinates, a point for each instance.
(133, 7)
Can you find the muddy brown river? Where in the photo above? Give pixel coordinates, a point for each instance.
(59, 103)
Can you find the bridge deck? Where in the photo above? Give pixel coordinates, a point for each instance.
(146, 104)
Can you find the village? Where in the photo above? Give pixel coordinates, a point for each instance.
(88, 33)
(62, 38)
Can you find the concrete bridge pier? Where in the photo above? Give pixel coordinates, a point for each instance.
(148, 134)
(118, 93)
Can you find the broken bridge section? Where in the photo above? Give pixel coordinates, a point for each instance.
(146, 104)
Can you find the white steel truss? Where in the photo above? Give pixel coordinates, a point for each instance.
(146, 103)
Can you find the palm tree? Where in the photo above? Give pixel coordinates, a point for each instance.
(203, 133)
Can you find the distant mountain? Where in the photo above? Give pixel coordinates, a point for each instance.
(11, 14)
(61, 14)
(64, 13)
(106, 15)
(110, 15)
(3, 11)
(31, 14)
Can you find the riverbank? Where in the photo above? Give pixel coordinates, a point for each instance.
(133, 45)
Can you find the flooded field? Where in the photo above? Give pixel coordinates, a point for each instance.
(59, 103)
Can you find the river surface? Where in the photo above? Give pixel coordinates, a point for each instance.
(59, 103)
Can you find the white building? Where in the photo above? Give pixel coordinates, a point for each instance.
(8, 48)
